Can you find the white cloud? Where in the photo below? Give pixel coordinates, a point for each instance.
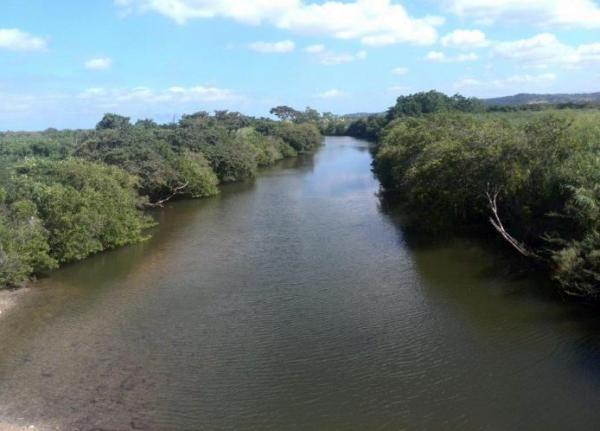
(545, 49)
(526, 79)
(465, 39)
(400, 71)
(329, 58)
(361, 55)
(18, 103)
(98, 63)
(468, 82)
(281, 47)
(14, 39)
(399, 89)
(143, 94)
(373, 22)
(181, 11)
(92, 91)
(440, 57)
(84, 108)
(538, 49)
(513, 84)
(331, 94)
(547, 13)
(436, 56)
(315, 49)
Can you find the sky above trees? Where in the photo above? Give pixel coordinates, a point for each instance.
(63, 63)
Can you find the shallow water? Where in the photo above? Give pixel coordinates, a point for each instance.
(297, 302)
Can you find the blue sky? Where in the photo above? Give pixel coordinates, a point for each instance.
(64, 63)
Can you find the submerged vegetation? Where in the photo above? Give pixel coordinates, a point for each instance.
(65, 195)
(533, 177)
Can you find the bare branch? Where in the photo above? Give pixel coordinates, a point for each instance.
(176, 191)
(492, 197)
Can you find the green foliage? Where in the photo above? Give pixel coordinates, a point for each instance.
(195, 172)
(67, 194)
(286, 113)
(147, 154)
(51, 144)
(85, 207)
(267, 149)
(232, 159)
(24, 245)
(545, 170)
(367, 128)
(221, 119)
(577, 264)
(238, 146)
(332, 125)
(302, 138)
(431, 102)
(146, 123)
(113, 121)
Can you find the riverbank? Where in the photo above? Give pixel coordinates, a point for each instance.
(8, 300)
(531, 180)
(10, 297)
(61, 202)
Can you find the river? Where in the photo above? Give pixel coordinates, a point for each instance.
(297, 302)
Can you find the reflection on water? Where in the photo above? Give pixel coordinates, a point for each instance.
(296, 302)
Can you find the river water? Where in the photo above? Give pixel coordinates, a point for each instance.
(297, 302)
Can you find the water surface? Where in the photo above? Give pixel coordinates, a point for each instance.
(297, 303)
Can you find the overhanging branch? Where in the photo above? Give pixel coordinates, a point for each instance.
(492, 198)
(176, 191)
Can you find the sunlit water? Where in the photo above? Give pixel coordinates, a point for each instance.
(297, 303)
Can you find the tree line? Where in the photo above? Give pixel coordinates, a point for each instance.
(65, 195)
(532, 176)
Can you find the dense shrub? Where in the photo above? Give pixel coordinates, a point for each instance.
(269, 149)
(231, 159)
(24, 247)
(85, 207)
(147, 154)
(196, 174)
(67, 194)
(366, 128)
(113, 121)
(431, 102)
(544, 172)
(302, 138)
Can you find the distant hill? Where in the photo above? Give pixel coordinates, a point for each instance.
(520, 99)
(532, 99)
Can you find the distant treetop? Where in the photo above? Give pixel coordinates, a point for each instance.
(113, 121)
(432, 101)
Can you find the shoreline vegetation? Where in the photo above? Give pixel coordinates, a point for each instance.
(530, 174)
(65, 195)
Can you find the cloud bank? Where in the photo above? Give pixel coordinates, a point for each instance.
(372, 22)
